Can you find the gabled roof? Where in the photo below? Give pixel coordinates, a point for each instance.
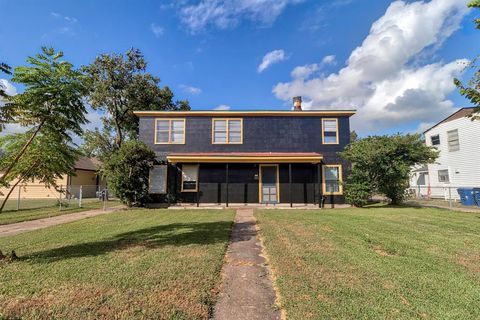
(463, 112)
(86, 163)
(240, 113)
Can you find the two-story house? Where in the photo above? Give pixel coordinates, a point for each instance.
(458, 165)
(265, 157)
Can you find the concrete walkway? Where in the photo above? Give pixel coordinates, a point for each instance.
(21, 227)
(246, 291)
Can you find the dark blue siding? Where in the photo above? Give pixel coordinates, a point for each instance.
(260, 134)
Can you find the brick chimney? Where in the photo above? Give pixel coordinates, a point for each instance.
(297, 103)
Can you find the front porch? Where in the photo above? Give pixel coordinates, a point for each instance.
(248, 179)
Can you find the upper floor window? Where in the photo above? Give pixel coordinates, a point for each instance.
(435, 140)
(330, 131)
(332, 179)
(453, 140)
(227, 131)
(169, 131)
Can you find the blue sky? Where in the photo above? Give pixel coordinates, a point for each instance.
(391, 60)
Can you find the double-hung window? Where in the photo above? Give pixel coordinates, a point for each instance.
(443, 176)
(332, 179)
(330, 131)
(189, 177)
(453, 140)
(227, 131)
(169, 131)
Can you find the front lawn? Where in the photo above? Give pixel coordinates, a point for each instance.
(134, 264)
(375, 263)
(43, 208)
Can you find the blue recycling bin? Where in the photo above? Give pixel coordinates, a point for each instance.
(466, 196)
(476, 196)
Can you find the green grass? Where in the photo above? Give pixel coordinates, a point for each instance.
(134, 264)
(42, 208)
(375, 263)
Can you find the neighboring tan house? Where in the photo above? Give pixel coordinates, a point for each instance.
(86, 175)
(458, 139)
(261, 156)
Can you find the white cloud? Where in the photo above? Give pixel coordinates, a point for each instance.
(329, 60)
(304, 72)
(157, 30)
(57, 15)
(379, 79)
(8, 87)
(222, 107)
(223, 14)
(270, 58)
(190, 89)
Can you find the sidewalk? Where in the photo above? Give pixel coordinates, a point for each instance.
(21, 227)
(247, 291)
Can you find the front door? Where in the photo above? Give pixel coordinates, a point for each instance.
(269, 183)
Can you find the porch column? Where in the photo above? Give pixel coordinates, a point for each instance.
(198, 186)
(319, 178)
(226, 182)
(290, 183)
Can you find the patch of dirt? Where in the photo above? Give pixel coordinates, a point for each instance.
(469, 261)
(404, 301)
(326, 228)
(378, 250)
(325, 298)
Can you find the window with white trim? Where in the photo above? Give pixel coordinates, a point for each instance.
(169, 131)
(189, 177)
(332, 179)
(330, 131)
(443, 176)
(227, 131)
(453, 140)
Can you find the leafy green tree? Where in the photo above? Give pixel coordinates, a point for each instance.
(382, 164)
(51, 104)
(126, 172)
(119, 85)
(471, 90)
(353, 136)
(48, 159)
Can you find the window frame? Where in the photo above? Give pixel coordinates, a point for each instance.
(457, 146)
(340, 180)
(448, 175)
(196, 182)
(323, 131)
(227, 120)
(436, 136)
(170, 120)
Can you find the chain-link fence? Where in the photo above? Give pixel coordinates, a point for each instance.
(34, 196)
(444, 196)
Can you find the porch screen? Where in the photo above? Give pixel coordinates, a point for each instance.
(332, 179)
(189, 178)
(330, 131)
(157, 182)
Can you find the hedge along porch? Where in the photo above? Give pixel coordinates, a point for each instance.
(268, 178)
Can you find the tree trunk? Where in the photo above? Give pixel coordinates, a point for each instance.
(8, 195)
(20, 153)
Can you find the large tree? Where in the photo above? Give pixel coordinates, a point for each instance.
(48, 158)
(471, 89)
(382, 164)
(51, 105)
(118, 86)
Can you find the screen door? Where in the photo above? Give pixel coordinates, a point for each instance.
(269, 183)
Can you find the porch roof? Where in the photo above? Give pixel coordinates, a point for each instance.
(246, 157)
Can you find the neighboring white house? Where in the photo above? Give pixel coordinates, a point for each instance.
(458, 139)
